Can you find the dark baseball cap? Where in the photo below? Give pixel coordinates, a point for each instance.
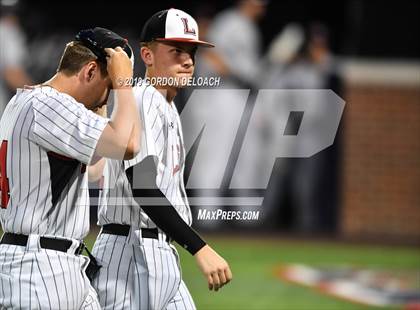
(97, 39)
(172, 25)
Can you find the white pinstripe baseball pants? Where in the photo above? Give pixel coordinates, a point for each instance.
(36, 278)
(139, 273)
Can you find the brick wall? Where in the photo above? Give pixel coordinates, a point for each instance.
(381, 162)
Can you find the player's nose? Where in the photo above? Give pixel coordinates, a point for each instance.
(187, 60)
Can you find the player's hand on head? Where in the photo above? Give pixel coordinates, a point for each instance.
(119, 67)
(214, 268)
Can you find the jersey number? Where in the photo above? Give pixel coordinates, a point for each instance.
(4, 181)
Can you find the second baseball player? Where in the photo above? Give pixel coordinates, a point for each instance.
(140, 266)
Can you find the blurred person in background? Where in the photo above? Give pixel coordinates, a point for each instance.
(299, 58)
(235, 60)
(238, 39)
(303, 191)
(12, 52)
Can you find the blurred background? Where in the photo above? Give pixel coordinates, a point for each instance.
(349, 214)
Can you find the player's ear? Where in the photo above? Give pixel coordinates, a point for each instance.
(90, 71)
(146, 55)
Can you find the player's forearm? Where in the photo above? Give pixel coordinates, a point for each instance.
(168, 219)
(125, 116)
(134, 141)
(120, 139)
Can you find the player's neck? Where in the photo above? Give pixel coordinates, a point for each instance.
(62, 84)
(168, 93)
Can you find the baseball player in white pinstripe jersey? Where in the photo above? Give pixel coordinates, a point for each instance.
(48, 137)
(140, 266)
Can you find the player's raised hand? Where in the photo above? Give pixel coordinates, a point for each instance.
(214, 267)
(119, 67)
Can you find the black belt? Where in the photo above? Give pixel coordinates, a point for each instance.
(61, 245)
(124, 230)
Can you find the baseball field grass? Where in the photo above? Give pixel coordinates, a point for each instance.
(256, 286)
(254, 263)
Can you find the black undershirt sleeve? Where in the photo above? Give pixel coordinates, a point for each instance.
(167, 219)
(164, 216)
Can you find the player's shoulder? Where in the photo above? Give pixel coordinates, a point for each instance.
(146, 95)
(25, 97)
(48, 97)
(50, 93)
(142, 90)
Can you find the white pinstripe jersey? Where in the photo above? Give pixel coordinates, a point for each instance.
(50, 139)
(161, 138)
